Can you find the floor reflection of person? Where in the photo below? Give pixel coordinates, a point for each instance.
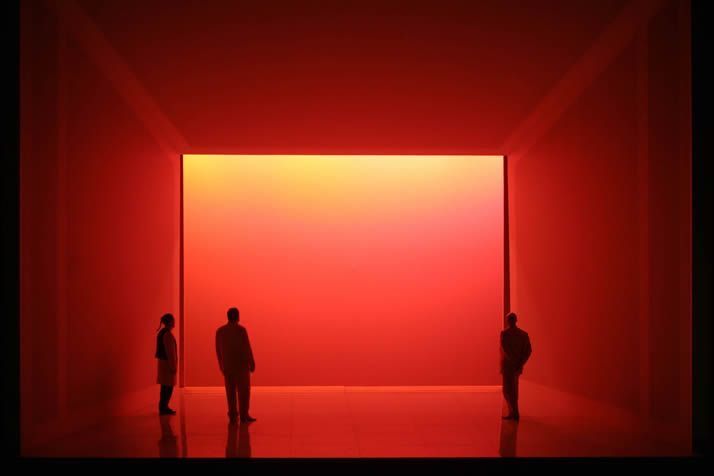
(238, 444)
(168, 444)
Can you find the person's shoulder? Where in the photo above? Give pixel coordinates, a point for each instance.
(221, 329)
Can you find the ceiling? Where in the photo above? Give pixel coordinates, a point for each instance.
(452, 76)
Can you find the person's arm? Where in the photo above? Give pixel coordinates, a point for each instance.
(250, 352)
(527, 350)
(219, 350)
(171, 353)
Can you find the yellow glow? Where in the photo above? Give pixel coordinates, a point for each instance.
(330, 185)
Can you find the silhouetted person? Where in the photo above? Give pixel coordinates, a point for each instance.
(235, 359)
(238, 444)
(515, 351)
(167, 363)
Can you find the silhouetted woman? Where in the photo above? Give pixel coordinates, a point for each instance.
(167, 363)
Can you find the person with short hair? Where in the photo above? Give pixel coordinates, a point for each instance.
(235, 359)
(515, 352)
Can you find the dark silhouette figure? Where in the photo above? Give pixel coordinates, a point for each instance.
(238, 444)
(167, 363)
(168, 444)
(235, 359)
(515, 351)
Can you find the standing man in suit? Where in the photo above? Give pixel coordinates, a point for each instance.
(235, 359)
(515, 351)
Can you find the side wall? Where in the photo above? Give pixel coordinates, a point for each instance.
(99, 235)
(601, 233)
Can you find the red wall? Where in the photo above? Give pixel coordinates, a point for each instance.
(348, 270)
(121, 238)
(601, 233)
(99, 191)
(574, 229)
(99, 233)
(38, 218)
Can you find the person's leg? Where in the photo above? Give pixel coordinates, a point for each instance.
(163, 398)
(516, 412)
(169, 392)
(244, 395)
(231, 396)
(504, 390)
(508, 392)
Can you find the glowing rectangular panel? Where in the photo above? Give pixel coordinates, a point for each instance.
(347, 270)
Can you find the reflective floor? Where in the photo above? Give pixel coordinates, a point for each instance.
(370, 422)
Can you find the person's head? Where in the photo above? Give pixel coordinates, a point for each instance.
(167, 320)
(233, 314)
(511, 319)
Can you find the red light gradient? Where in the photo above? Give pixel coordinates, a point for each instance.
(591, 102)
(347, 270)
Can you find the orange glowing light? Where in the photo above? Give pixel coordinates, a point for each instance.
(348, 270)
